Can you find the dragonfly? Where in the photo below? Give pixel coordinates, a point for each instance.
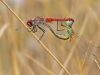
(65, 22)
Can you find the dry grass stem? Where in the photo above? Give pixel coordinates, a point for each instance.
(45, 48)
(39, 64)
(96, 61)
(23, 53)
(74, 46)
(2, 30)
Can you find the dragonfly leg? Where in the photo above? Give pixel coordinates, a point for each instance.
(58, 27)
(33, 29)
(42, 31)
(62, 24)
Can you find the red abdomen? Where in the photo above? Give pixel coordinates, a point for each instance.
(58, 19)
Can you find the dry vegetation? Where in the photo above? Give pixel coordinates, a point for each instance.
(22, 54)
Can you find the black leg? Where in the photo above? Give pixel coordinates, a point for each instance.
(58, 27)
(62, 24)
(34, 29)
(42, 31)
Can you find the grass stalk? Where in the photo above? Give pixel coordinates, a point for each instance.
(45, 48)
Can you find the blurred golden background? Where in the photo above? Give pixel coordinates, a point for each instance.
(20, 52)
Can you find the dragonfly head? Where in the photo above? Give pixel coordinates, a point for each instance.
(70, 22)
(29, 23)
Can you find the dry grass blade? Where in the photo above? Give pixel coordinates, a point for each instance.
(1, 70)
(39, 64)
(45, 48)
(94, 15)
(86, 55)
(15, 64)
(74, 46)
(2, 30)
(17, 60)
(96, 61)
(28, 69)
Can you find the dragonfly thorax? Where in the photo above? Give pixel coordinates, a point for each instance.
(36, 21)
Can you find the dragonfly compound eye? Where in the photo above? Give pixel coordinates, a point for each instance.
(29, 23)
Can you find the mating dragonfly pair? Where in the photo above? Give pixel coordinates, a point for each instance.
(65, 22)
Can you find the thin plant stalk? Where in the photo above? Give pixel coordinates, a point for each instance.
(45, 48)
(39, 64)
(74, 46)
(96, 61)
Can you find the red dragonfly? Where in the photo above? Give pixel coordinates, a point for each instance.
(38, 21)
